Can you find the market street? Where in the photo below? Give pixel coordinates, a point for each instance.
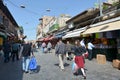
(48, 69)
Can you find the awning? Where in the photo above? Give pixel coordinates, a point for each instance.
(3, 35)
(8, 34)
(75, 33)
(41, 39)
(39, 36)
(12, 34)
(46, 39)
(59, 35)
(103, 28)
(51, 38)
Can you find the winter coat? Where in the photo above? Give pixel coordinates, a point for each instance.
(60, 48)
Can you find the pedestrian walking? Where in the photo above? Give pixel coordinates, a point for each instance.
(21, 49)
(15, 49)
(6, 50)
(68, 50)
(43, 46)
(49, 46)
(60, 50)
(82, 43)
(79, 58)
(90, 48)
(26, 53)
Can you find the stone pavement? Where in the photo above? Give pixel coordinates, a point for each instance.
(48, 70)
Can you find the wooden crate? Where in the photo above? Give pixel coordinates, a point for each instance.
(101, 59)
(116, 63)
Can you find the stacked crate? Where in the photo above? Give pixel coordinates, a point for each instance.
(116, 63)
(101, 59)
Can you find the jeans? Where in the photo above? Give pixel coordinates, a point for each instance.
(15, 54)
(90, 54)
(6, 56)
(25, 63)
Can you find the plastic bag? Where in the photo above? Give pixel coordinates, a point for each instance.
(74, 67)
(33, 63)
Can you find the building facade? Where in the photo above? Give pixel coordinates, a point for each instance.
(49, 25)
(8, 26)
(112, 1)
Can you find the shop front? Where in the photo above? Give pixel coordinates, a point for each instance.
(106, 39)
(105, 46)
(3, 36)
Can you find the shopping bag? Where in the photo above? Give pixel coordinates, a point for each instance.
(85, 55)
(74, 67)
(33, 63)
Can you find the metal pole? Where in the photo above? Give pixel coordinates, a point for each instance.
(100, 7)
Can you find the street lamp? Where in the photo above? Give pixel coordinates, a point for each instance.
(22, 6)
(48, 10)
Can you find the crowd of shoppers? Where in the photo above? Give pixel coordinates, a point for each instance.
(79, 49)
(63, 50)
(14, 51)
(46, 47)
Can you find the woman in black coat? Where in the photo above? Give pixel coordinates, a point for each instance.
(79, 58)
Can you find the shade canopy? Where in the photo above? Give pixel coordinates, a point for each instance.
(75, 33)
(103, 28)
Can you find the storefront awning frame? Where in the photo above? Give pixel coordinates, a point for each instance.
(74, 33)
(109, 25)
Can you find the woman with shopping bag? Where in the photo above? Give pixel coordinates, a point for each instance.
(79, 58)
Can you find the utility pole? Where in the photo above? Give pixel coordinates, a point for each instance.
(100, 7)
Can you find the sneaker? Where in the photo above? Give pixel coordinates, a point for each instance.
(68, 58)
(63, 69)
(75, 73)
(26, 72)
(84, 77)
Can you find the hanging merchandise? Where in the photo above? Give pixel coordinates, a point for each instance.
(104, 41)
(101, 35)
(1, 41)
(108, 34)
(96, 35)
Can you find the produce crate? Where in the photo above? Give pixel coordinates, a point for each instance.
(116, 63)
(101, 59)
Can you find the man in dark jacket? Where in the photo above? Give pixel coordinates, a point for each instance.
(60, 50)
(26, 53)
(15, 49)
(68, 50)
(6, 50)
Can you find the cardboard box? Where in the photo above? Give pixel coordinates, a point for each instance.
(116, 63)
(101, 59)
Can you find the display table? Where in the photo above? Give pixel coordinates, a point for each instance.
(110, 53)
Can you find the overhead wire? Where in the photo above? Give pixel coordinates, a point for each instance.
(21, 7)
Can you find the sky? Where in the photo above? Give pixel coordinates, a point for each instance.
(29, 16)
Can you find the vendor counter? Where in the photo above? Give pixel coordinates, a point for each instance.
(110, 53)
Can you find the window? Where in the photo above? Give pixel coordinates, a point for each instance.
(6, 23)
(1, 19)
